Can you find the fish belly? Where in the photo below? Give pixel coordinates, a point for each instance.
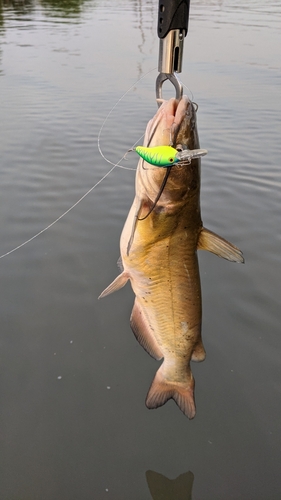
(167, 286)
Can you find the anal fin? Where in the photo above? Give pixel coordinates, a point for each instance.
(198, 353)
(216, 244)
(143, 332)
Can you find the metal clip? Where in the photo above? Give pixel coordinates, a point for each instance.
(170, 61)
(161, 78)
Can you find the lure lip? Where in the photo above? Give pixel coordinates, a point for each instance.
(190, 154)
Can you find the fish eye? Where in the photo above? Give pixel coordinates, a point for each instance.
(171, 160)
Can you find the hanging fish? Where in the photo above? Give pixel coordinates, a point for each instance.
(159, 246)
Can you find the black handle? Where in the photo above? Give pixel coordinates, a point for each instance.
(172, 15)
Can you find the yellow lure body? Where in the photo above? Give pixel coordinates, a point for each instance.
(159, 156)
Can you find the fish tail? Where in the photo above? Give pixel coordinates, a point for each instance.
(162, 390)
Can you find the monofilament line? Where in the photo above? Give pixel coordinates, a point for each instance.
(108, 115)
(61, 216)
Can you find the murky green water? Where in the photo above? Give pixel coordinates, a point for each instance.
(73, 378)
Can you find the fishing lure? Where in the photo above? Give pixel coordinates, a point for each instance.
(159, 156)
(166, 156)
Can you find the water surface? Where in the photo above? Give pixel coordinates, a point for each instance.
(73, 378)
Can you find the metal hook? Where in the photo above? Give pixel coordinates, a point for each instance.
(161, 78)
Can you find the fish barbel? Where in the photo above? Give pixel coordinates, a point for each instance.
(159, 246)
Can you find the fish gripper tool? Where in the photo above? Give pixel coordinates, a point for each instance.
(172, 28)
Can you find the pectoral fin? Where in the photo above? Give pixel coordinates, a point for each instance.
(143, 332)
(118, 283)
(222, 248)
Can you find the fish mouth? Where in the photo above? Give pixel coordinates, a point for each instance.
(174, 124)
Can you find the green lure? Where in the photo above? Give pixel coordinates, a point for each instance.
(159, 156)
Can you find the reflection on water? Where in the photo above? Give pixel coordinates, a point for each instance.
(145, 14)
(63, 8)
(162, 488)
(20, 8)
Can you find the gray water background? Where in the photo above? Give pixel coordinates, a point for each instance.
(73, 379)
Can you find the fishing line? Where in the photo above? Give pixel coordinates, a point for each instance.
(95, 185)
(108, 115)
(164, 182)
(192, 96)
(61, 216)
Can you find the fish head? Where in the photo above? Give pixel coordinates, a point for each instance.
(173, 124)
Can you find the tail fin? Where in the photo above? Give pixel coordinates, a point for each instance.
(162, 390)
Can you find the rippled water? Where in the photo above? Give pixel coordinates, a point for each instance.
(73, 378)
